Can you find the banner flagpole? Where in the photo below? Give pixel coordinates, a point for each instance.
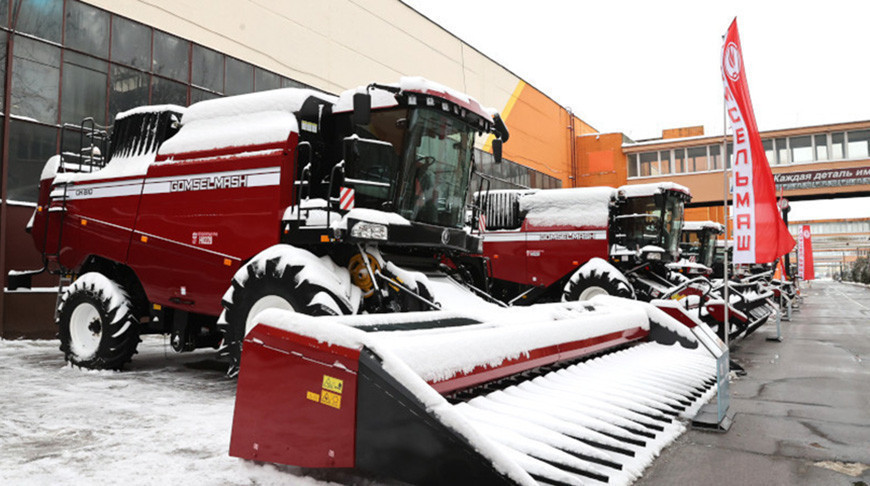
(726, 161)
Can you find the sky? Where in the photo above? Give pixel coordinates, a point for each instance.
(639, 67)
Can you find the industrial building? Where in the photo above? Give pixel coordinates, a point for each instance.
(64, 60)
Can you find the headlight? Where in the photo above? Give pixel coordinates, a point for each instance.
(369, 231)
(654, 256)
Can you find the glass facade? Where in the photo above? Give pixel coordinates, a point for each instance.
(510, 175)
(71, 60)
(799, 149)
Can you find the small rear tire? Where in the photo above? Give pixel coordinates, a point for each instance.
(96, 324)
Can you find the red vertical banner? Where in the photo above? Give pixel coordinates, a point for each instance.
(806, 268)
(760, 235)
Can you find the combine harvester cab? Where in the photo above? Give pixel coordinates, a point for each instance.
(489, 396)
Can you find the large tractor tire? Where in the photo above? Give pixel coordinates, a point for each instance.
(96, 324)
(277, 278)
(596, 277)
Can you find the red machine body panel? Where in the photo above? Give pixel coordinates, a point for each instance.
(295, 401)
(98, 217)
(203, 217)
(540, 256)
(200, 213)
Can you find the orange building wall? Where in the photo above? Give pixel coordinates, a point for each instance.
(540, 133)
(600, 161)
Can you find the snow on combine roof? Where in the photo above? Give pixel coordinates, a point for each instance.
(126, 161)
(413, 84)
(699, 225)
(250, 119)
(149, 109)
(641, 190)
(578, 206)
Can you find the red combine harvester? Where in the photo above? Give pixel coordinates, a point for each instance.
(569, 244)
(290, 198)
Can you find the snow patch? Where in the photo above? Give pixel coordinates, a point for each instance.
(641, 190)
(580, 207)
(236, 121)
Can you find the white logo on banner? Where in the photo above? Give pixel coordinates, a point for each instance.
(732, 61)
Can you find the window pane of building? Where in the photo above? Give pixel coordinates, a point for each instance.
(170, 56)
(4, 13)
(131, 43)
(35, 80)
(649, 163)
(821, 147)
(264, 80)
(801, 149)
(240, 77)
(128, 89)
(208, 69)
(164, 91)
(2, 66)
(197, 95)
(858, 144)
(679, 160)
(632, 165)
(87, 29)
(41, 18)
(715, 157)
(290, 83)
(665, 161)
(781, 151)
(838, 146)
(84, 89)
(697, 159)
(768, 151)
(730, 157)
(30, 145)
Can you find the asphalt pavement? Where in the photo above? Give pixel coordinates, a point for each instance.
(802, 412)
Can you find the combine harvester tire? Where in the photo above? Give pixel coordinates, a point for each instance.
(596, 277)
(557, 394)
(96, 324)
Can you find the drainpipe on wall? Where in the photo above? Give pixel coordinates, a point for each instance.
(573, 146)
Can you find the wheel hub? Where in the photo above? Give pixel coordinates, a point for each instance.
(85, 331)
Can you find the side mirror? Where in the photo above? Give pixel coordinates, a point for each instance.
(496, 150)
(362, 108)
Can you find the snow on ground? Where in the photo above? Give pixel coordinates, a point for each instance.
(166, 418)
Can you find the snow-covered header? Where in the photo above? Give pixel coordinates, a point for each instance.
(699, 225)
(578, 207)
(641, 190)
(237, 121)
(416, 84)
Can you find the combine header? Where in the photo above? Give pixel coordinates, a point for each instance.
(484, 396)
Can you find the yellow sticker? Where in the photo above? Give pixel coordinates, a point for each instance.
(331, 399)
(332, 384)
(677, 297)
(314, 397)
